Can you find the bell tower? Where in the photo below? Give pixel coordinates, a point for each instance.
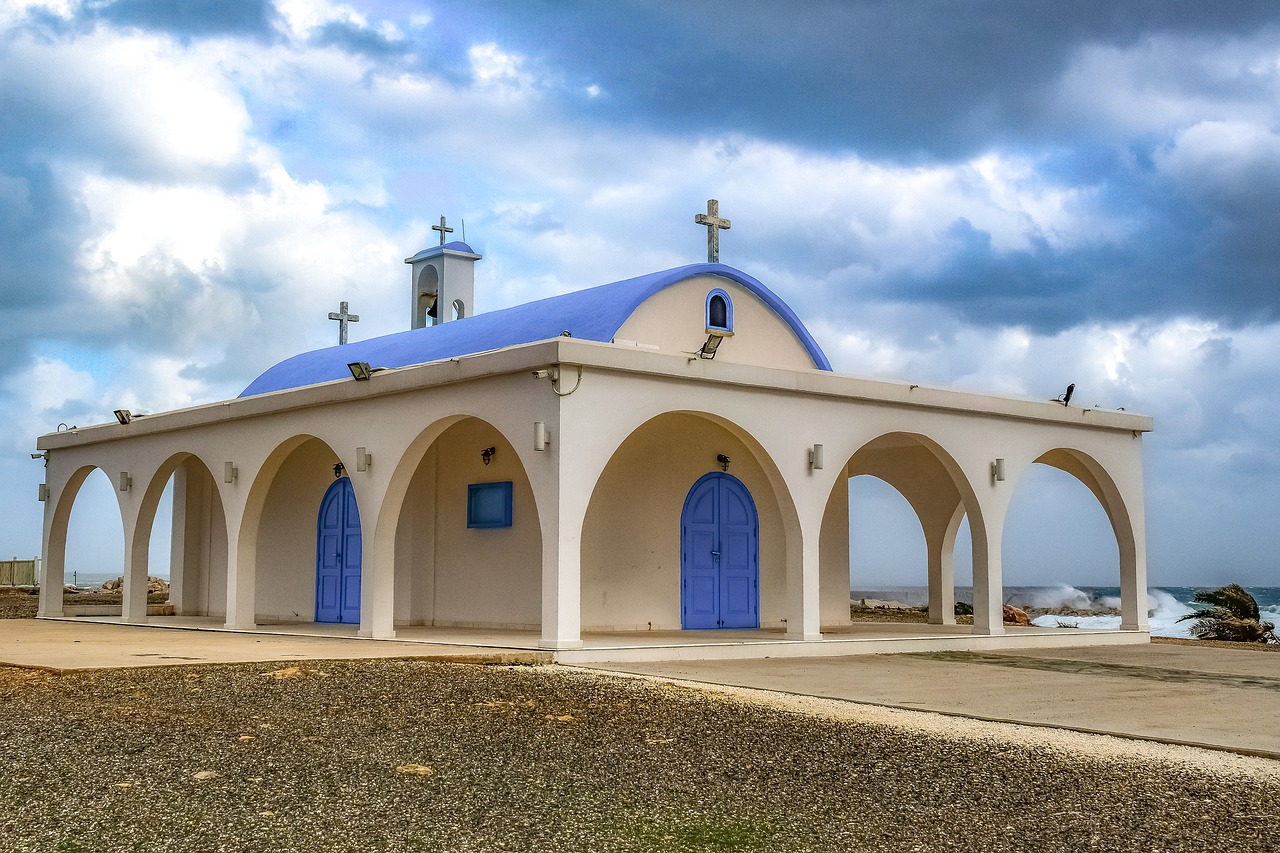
(443, 281)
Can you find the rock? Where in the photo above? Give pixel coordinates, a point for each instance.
(415, 769)
(1016, 616)
(153, 585)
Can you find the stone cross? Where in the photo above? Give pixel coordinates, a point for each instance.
(343, 317)
(714, 224)
(442, 229)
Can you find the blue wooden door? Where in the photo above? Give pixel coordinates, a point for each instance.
(719, 555)
(338, 555)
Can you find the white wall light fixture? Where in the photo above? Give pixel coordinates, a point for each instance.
(541, 438)
(125, 481)
(997, 470)
(364, 459)
(815, 457)
(44, 492)
(229, 472)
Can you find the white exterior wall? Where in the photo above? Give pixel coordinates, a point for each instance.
(674, 320)
(569, 561)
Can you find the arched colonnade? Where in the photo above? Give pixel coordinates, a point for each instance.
(594, 542)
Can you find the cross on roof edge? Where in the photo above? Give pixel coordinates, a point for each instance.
(344, 318)
(711, 219)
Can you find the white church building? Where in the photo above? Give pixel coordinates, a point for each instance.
(656, 467)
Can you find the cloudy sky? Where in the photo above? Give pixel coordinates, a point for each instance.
(1003, 197)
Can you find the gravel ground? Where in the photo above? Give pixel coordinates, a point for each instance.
(409, 756)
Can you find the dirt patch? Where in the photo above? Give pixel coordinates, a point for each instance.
(1217, 644)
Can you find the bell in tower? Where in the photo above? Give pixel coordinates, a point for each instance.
(443, 281)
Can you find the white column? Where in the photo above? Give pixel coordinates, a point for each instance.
(241, 583)
(563, 493)
(54, 547)
(561, 583)
(378, 581)
(940, 538)
(1133, 577)
(134, 608)
(803, 610)
(942, 582)
(988, 584)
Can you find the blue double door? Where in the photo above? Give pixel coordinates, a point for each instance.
(338, 554)
(719, 555)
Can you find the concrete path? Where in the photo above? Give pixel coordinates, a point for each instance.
(1199, 696)
(69, 646)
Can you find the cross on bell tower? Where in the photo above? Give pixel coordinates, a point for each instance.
(443, 229)
(714, 224)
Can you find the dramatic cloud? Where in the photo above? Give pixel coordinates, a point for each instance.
(1000, 198)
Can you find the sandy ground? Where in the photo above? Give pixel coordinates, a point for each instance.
(407, 756)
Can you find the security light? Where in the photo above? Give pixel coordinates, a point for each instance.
(123, 416)
(714, 337)
(360, 370)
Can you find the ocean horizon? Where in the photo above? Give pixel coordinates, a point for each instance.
(1166, 605)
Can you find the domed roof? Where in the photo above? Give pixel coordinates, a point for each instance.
(594, 314)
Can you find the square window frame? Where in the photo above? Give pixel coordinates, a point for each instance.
(504, 490)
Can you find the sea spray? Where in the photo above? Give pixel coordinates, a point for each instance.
(1093, 606)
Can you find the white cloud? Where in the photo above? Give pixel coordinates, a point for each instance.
(1165, 82)
(492, 66)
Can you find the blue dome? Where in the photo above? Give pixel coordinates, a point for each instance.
(459, 246)
(594, 314)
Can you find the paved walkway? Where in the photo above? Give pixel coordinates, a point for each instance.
(1195, 695)
(1201, 696)
(70, 646)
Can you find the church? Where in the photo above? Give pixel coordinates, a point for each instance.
(652, 468)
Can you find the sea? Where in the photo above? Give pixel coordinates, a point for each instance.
(1166, 605)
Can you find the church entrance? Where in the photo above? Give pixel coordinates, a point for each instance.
(719, 555)
(338, 547)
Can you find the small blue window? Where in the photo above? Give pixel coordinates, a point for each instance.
(719, 311)
(489, 504)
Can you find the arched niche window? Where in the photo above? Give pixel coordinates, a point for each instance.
(719, 311)
(459, 309)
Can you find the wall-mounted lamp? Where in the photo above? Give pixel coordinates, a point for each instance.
(997, 470)
(44, 492)
(125, 481)
(338, 470)
(229, 472)
(723, 460)
(815, 457)
(714, 337)
(488, 453)
(361, 371)
(541, 438)
(363, 459)
(123, 416)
